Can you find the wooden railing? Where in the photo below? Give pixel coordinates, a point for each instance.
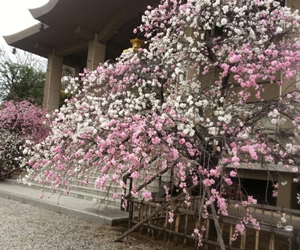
(152, 218)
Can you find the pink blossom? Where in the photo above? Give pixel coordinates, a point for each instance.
(233, 173)
(147, 195)
(228, 181)
(239, 230)
(261, 57)
(257, 95)
(135, 175)
(251, 200)
(171, 217)
(155, 140)
(286, 166)
(208, 182)
(181, 141)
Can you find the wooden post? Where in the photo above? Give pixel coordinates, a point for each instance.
(131, 214)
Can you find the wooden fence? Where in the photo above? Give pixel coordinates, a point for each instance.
(152, 218)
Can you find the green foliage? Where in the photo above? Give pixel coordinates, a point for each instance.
(20, 82)
(63, 97)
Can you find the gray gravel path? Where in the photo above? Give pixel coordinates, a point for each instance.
(25, 227)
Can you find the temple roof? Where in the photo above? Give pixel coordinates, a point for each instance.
(68, 25)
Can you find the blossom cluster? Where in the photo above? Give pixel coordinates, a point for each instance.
(24, 118)
(20, 123)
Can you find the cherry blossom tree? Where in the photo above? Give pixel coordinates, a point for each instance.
(215, 90)
(19, 122)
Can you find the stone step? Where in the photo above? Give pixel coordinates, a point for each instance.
(83, 209)
(90, 184)
(103, 198)
(89, 193)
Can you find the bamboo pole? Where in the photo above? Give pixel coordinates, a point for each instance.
(141, 216)
(148, 211)
(153, 214)
(186, 219)
(166, 226)
(243, 242)
(230, 234)
(217, 224)
(207, 232)
(177, 221)
(221, 227)
(271, 244)
(256, 239)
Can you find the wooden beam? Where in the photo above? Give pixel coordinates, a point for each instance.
(72, 48)
(43, 47)
(84, 32)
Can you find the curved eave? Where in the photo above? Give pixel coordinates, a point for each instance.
(43, 10)
(101, 16)
(27, 39)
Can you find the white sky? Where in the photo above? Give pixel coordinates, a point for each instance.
(15, 16)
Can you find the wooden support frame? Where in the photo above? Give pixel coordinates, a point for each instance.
(162, 207)
(178, 231)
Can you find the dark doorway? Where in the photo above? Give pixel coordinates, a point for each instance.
(260, 190)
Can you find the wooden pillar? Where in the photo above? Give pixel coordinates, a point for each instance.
(96, 53)
(294, 4)
(53, 82)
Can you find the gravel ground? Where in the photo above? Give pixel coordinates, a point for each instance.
(23, 227)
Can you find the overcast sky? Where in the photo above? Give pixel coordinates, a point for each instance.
(15, 16)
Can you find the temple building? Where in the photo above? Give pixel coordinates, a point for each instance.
(83, 33)
(79, 34)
